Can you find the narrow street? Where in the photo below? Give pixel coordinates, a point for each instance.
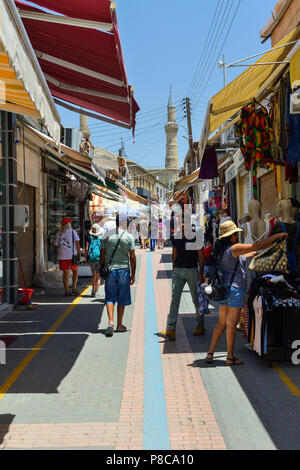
(67, 386)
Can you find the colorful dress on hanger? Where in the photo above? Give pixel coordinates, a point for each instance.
(256, 138)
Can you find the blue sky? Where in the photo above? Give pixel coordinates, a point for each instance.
(176, 42)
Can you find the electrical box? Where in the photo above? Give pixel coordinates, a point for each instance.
(21, 216)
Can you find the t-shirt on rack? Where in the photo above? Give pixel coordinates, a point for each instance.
(273, 317)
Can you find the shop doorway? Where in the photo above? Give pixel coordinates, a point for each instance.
(268, 195)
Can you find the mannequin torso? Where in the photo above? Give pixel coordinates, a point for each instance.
(285, 213)
(256, 229)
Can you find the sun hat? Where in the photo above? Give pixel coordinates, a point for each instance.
(228, 228)
(96, 230)
(65, 221)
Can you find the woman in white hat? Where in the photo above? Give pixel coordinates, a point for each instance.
(231, 257)
(92, 255)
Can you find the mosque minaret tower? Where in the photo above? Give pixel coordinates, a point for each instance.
(171, 129)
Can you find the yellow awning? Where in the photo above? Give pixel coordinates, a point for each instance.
(255, 82)
(295, 70)
(23, 88)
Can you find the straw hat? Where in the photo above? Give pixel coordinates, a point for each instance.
(96, 230)
(228, 228)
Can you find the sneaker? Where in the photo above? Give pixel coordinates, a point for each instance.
(109, 330)
(199, 330)
(169, 334)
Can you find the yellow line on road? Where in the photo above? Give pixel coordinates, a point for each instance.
(287, 381)
(28, 358)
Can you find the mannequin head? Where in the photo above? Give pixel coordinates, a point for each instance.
(285, 210)
(254, 208)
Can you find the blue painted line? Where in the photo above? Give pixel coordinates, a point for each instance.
(156, 435)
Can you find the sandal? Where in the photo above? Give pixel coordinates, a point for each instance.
(234, 361)
(209, 358)
(122, 329)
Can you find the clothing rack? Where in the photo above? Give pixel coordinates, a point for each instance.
(273, 318)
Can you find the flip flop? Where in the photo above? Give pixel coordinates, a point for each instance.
(123, 329)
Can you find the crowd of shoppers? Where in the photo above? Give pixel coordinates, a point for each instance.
(112, 244)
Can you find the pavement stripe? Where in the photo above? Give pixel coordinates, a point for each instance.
(28, 358)
(192, 423)
(155, 418)
(287, 381)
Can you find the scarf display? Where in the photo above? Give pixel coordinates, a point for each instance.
(256, 139)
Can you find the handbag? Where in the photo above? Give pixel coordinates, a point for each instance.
(105, 269)
(273, 258)
(75, 258)
(218, 291)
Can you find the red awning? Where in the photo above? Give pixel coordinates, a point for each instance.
(80, 53)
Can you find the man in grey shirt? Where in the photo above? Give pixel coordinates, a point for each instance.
(121, 272)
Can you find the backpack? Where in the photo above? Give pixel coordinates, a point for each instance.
(94, 249)
(291, 255)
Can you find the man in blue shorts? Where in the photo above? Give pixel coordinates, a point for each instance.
(121, 272)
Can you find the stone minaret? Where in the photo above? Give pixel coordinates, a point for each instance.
(171, 128)
(84, 126)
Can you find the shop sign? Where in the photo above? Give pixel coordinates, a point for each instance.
(238, 160)
(230, 173)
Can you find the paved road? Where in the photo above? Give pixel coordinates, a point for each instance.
(66, 386)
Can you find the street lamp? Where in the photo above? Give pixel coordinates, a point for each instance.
(222, 64)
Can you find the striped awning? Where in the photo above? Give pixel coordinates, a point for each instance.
(23, 88)
(255, 82)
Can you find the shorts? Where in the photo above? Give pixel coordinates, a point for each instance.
(66, 264)
(236, 298)
(117, 287)
(95, 267)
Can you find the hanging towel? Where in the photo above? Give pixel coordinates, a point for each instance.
(209, 165)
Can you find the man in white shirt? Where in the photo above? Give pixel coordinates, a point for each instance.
(67, 245)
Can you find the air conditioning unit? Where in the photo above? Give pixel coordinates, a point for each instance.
(72, 138)
(295, 102)
(229, 136)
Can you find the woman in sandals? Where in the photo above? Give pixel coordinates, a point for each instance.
(232, 255)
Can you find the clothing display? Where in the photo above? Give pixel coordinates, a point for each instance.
(250, 238)
(209, 164)
(292, 122)
(256, 138)
(273, 316)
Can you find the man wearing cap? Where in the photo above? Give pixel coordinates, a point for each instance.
(67, 245)
(187, 257)
(121, 272)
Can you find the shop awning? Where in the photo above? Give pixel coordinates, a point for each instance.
(23, 88)
(127, 193)
(81, 164)
(255, 82)
(79, 50)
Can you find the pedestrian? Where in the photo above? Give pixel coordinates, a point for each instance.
(67, 245)
(121, 272)
(92, 255)
(187, 258)
(161, 235)
(152, 237)
(231, 258)
(143, 233)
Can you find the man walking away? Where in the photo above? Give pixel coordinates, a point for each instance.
(186, 259)
(121, 272)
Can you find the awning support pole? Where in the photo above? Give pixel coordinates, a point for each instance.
(94, 116)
